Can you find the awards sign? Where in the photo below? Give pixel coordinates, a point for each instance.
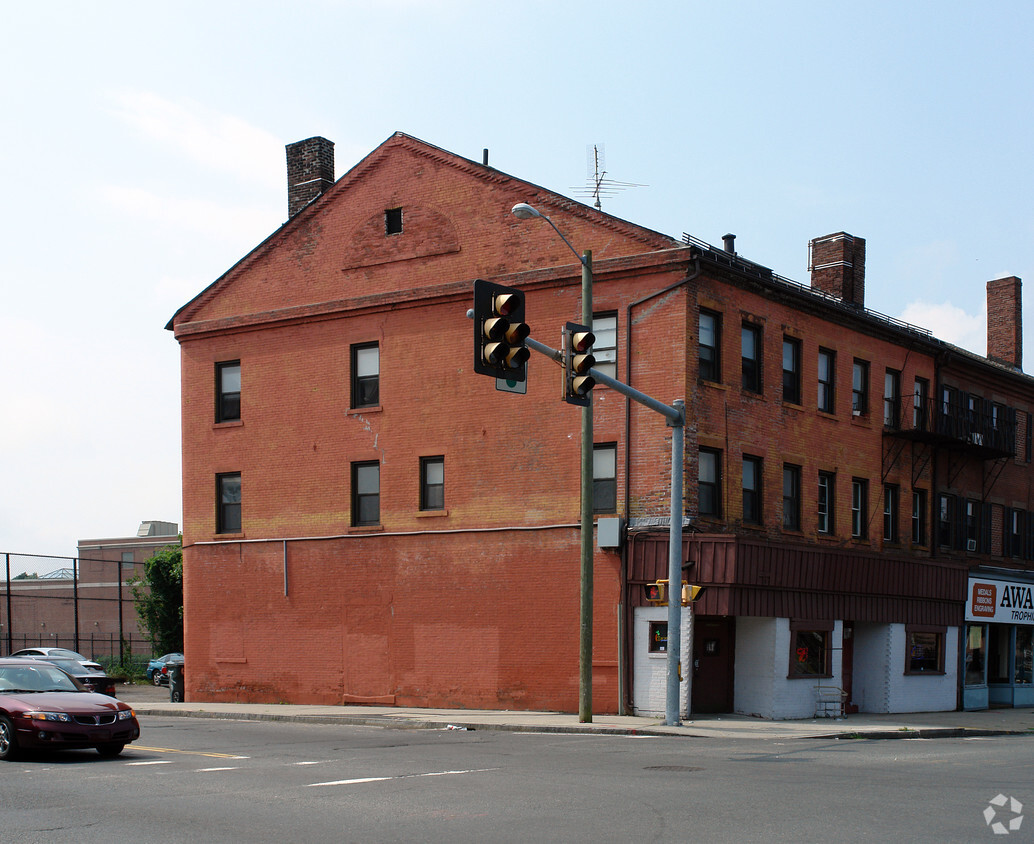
(1000, 601)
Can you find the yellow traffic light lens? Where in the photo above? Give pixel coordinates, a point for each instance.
(580, 364)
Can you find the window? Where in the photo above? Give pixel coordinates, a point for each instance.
(605, 478)
(859, 508)
(658, 637)
(827, 380)
(366, 371)
(605, 349)
(393, 221)
(752, 489)
(1024, 673)
(128, 559)
(1015, 520)
(228, 391)
(791, 497)
(366, 493)
(919, 517)
(228, 503)
(925, 650)
(827, 496)
(810, 648)
(750, 343)
(791, 370)
(892, 399)
(890, 513)
(709, 487)
(432, 483)
(920, 405)
(860, 388)
(946, 505)
(710, 346)
(976, 647)
(972, 525)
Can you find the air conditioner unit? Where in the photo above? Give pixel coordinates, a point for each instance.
(971, 545)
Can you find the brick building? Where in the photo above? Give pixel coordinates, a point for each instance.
(367, 520)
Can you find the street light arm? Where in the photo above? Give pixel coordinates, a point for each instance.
(524, 211)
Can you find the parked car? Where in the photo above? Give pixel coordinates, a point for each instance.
(42, 707)
(61, 653)
(94, 681)
(157, 671)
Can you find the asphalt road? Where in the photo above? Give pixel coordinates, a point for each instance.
(202, 780)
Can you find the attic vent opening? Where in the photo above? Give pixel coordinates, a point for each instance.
(393, 221)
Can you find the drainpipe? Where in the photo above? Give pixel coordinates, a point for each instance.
(623, 648)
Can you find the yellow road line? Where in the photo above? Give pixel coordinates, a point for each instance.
(187, 752)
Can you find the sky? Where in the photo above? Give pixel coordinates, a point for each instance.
(142, 155)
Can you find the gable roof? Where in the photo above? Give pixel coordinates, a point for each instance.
(458, 226)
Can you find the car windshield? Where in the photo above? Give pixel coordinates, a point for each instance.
(67, 654)
(36, 678)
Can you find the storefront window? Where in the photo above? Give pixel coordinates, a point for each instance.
(925, 651)
(999, 646)
(809, 655)
(975, 646)
(1023, 655)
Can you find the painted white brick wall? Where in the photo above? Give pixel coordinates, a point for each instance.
(922, 693)
(870, 689)
(880, 682)
(755, 657)
(763, 687)
(649, 685)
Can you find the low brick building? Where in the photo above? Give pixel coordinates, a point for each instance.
(367, 520)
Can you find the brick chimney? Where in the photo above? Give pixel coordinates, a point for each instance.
(1004, 322)
(837, 265)
(310, 171)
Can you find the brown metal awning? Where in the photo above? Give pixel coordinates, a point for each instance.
(754, 577)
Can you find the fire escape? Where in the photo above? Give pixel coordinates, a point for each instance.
(966, 430)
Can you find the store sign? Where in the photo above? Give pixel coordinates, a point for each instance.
(1000, 601)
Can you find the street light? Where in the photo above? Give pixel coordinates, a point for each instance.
(524, 211)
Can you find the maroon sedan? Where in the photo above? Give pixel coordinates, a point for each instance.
(42, 707)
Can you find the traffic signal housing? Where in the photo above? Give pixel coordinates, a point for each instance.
(578, 383)
(500, 331)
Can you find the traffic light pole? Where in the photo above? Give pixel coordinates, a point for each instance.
(676, 416)
(586, 588)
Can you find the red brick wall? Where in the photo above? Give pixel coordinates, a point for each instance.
(480, 620)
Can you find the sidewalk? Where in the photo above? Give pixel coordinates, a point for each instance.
(148, 700)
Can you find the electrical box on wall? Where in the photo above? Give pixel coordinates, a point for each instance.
(608, 532)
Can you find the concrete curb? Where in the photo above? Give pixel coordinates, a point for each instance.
(403, 722)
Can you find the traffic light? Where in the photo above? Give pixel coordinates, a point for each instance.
(578, 383)
(656, 592)
(499, 331)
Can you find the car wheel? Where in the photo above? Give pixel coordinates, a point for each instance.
(8, 742)
(156, 678)
(109, 751)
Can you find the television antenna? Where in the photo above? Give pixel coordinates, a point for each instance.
(599, 185)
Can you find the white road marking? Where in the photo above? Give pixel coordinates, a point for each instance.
(158, 762)
(361, 780)
(206, 770)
